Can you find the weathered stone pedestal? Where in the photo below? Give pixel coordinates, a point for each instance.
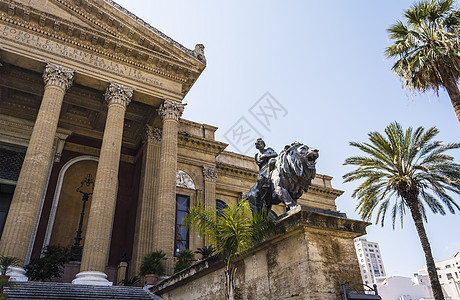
(307, 262)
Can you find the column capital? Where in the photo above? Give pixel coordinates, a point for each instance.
(209, 173)
(171, 110)
(58, 75)
(151, 135)
(118, 93)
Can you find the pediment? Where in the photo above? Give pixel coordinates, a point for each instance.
(105, 27)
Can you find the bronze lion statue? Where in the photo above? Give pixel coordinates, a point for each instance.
(282, 178)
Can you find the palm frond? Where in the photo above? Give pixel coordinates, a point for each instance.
(400, 168)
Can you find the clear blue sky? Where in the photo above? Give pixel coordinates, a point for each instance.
(323, 62)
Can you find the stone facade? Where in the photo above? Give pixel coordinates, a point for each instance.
(87, 81)
(307, 262)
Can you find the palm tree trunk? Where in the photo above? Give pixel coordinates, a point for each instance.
(230, 283)
(430, 265)
(454, 94)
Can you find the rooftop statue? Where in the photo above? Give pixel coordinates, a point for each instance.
(284, 177)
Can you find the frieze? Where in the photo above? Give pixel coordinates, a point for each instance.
(51, 46)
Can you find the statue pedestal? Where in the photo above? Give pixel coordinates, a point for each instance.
(309, 261)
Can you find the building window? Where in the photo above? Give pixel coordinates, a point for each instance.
(181, 236)
(6, 194)
(220, 205)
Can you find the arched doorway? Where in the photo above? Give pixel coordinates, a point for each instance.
(67, 206)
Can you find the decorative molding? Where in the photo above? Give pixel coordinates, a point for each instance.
(200, 144)
(197, 55)
(209, 174)
(58, 75)
(118, 93)
(152, 135)
(171, 110)
(184, 180)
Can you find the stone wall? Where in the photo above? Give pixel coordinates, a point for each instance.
(307, 262)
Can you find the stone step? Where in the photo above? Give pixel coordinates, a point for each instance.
(52, 290)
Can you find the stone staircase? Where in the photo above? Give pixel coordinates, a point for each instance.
(52, 290)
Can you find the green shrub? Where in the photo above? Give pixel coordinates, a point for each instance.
(132, 281)
(50, 265)
(206, 251)
(6, 262)
(152, 263)
(185, 259)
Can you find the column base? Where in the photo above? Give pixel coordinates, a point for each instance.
(17, 274)
(92, 278)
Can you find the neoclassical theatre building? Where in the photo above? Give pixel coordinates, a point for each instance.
(94, 154)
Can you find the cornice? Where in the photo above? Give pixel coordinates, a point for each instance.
(104, 41)
(325, 190)
(233, 171)
(200, 144)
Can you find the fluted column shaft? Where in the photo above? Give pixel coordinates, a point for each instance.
(144, 235)
(165, 206)
(26, 200)
(99, 227)
(210, 176)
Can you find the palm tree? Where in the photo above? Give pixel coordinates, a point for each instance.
(400, 171)
(426, 47)
(231, 232)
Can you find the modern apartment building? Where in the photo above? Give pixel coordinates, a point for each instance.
(449, 276)
(370, 260)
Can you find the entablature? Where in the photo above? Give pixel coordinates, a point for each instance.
(146, 64)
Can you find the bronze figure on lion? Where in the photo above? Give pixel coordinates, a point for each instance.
(282, 178)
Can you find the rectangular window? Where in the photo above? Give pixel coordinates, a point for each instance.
(181, 236)
(6, 194)
(370, 250)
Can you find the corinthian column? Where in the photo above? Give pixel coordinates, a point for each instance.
(99, 227)
(30, 186)
(165, 206)
(144, 236)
